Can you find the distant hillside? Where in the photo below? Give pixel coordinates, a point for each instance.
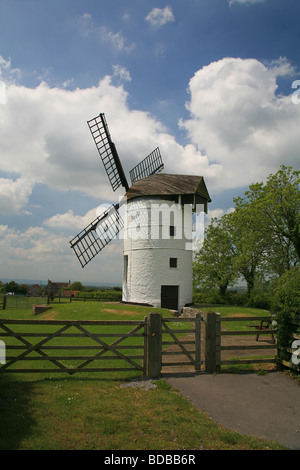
(30, 282)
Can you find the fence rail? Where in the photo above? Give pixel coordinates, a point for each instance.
(3, 300)
(259, 329)
(83, 343)
(107, 349)
(188, 356)
(148, 345)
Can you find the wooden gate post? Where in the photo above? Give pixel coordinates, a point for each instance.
(154, 345)
(198, 320)
(212, 342)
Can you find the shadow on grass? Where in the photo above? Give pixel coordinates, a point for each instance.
(16, 422)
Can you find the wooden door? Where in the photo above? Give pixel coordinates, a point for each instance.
(169, 297)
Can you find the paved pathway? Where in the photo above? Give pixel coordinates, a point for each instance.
(260, 405)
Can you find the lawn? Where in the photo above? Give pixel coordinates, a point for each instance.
(96, 411)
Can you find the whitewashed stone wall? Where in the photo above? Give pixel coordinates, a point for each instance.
(148, 248)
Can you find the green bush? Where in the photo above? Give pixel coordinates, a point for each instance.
(208, 297)
(214, 297)
(261, 297)
(286, 308)
(108, 295)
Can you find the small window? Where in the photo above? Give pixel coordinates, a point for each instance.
(125, 268)
(173, 262)
(172, 231)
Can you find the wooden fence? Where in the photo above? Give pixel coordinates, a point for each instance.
(150, 346)
(218, 345)
(139, 347)
(170, 347)
(37, 340)
(260, 329)
(3, 300)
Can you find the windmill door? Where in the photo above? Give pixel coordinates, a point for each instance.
(169, 297)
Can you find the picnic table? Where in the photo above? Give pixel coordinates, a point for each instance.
(265, 327)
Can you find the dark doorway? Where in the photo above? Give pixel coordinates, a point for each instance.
(169, 297)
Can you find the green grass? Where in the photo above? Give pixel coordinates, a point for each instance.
(93, 410)
(235, 311)
(88, 413)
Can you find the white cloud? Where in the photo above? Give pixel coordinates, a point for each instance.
(246, 130)
(101, 33)
(14, 194)
(245, 2)
(8, 74)
(44, 138)
(216, 214)
(32, 245)
(240, 130)
(160, 16)
(121, 72)
(69, 221)
(38, 253)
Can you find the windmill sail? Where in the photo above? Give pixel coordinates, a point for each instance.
(151, 165)
(107, 152)
(91, 240)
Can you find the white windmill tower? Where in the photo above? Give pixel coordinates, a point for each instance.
(158, 223)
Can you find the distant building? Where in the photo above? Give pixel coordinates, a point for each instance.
(69, 293)
(34, 291)
(52, 288)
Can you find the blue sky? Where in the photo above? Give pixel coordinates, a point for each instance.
(208, 81)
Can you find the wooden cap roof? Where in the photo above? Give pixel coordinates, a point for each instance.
(163, 184)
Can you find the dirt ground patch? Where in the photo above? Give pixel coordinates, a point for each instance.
(122, 312)
(239, 315)
(50, 315)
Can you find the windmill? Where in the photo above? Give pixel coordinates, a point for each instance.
(157, 263)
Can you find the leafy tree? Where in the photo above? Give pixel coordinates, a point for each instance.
(11, 286)
(77, 286)
(213, 264)
(247, 245)
(259, 240)
(280, 203)
(275, 208)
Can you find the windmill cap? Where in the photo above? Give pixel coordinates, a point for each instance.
(169, 185)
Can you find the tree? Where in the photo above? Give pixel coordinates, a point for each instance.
(213, 264)
(286, 308)
(259, 240)
(276, 207)
(77, 286)
(11, 286)
(246, 244)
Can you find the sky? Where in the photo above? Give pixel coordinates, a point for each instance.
(215, 84)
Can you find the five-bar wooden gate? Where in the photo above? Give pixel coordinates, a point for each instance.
(151, 346)
(52, 341)
(81, 346)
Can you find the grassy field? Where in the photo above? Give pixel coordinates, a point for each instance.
(96, 411)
